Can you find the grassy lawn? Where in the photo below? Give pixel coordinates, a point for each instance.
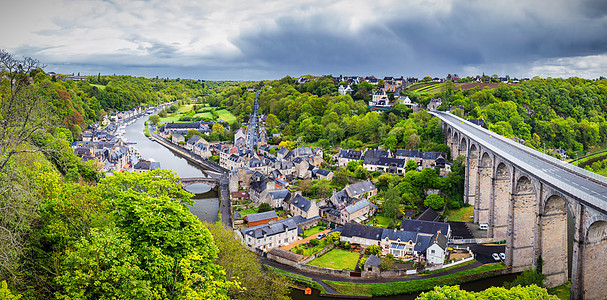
(247, 211)
(307, 251)
(396, 288)
(313, 230)
(561, 291)
(222, 114)
(337, 259)
(463, 214)
(381, 221)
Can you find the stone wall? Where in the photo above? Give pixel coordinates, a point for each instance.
(318, 254)
(320, 270)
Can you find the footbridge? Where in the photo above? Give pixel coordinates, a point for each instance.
(533, 201)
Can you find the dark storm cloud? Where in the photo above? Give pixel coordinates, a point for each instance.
(470, 33)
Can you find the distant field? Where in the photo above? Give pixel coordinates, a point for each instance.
(471, 85)
(222, 114)
(426, 87)
(226, 116)
(99, 86)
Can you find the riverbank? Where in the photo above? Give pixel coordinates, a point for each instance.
(216, 172)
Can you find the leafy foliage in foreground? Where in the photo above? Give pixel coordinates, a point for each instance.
(517, 292)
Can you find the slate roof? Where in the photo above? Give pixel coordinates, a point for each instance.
(301, 202)
(341, 197)
(361, 187)
(280, 194)
(373, 261)
(283, 151)
(372, 156)
(350, 154)
(422, 243)
(352, 208)
(191, 125)
(323, 172)
(408, 153)
(428, 215)
(304, 151)
(426, 227)
(433, 155)
(260, 231)
(404, 236)
(440, 239)
(391, 162)
(194, 139)
(146, 165)
(364, 231)
(261, 216)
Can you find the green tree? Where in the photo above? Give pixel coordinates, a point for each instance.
(272, 122)
(374, 249)
(340, 178)
(517, 292)
(102, 266)
(6, 294)
(155, 119)
(391, 206)
(264, 207)
(411, 165)
(434, 201)
(174, 249)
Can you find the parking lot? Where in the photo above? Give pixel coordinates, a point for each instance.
(484, 253)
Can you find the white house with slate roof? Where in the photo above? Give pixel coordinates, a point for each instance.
(364, 189)
(268, 236)
(357, 212)
(345, 156)
(435, 253)
(302, 206)
(361, 234)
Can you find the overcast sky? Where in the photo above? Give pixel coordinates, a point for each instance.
(252, 40)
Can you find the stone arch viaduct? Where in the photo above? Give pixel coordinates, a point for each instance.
(525, 197)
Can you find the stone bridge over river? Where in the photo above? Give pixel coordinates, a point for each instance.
(525, 197)
(213, 182)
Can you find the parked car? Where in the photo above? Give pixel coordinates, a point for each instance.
(496, 256)
(320, 236)
(503, 256)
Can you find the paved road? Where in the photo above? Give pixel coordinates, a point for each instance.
(564, 177)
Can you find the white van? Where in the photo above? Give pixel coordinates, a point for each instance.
(483, 226)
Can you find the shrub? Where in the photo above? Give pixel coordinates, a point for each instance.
(374, 249)
(314, 242)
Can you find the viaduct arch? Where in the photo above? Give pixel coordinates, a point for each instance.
(532, 201)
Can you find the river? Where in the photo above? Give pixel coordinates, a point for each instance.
(206, 201)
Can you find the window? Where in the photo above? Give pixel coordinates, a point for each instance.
(432, 251)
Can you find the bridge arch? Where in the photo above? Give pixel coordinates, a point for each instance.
(463, 148)
(522, 225)
(472, 175)
(554, 246)
(502, 190)
(483, 195)
(594, 260)
(454, 145)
